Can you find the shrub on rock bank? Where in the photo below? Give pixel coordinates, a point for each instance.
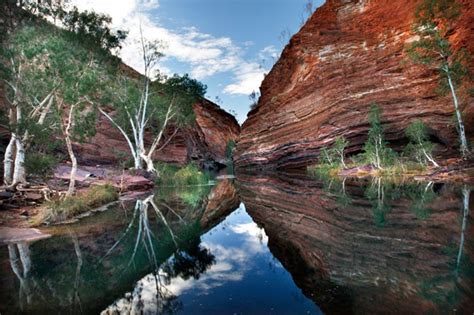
(187, 176)
(64, 209)
(378, 159)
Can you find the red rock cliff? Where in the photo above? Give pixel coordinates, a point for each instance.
(349, 55)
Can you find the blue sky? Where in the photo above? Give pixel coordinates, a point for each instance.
(226, 44)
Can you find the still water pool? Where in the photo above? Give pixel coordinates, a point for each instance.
(277, 244)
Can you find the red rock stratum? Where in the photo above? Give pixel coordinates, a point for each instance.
(349, 55)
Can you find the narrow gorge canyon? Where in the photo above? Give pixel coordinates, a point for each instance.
(351, 54)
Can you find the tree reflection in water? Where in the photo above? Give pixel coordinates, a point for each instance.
(189, 259)
(20, 262)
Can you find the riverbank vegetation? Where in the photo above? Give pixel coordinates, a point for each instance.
(63, 209)
(377, 158)
(190, 175)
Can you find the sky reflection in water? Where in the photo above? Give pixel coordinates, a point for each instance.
(244, 278)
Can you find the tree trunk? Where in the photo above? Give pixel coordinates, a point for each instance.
(72, 177)
(149, 164)
(8, 161)
(72, 156)
(137, 162)
(462, 132)
(342, 160)
(428, 156)
(19, 174)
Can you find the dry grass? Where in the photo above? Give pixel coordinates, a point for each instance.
(64, 209)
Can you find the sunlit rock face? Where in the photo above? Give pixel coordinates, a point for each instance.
(357, 248)
(349, 55)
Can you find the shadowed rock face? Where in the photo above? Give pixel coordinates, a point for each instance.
(349, 55)
(348, 264)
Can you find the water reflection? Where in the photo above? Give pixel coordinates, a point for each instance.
(88, 265)
(369, 246)
(295, 245)
(20, 262)
(230, 271)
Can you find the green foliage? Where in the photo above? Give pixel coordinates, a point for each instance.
(376, 150)
(100, 195)
(419, 148)
(430, 10)
(421, 196)
(183, 91)
(254, 97)
(434, 26)
(94, 27)
(125, 94)
(190, 175)
(331, 160)
(193, 196)
(40, 164)
(89, 25)
(378, 194)
(60, 210)
(166, 171)
(188, 184)
(229, 149)
(55, 61)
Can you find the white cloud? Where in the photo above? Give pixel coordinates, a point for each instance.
(269, 52)
(204, 54)
(248, 78)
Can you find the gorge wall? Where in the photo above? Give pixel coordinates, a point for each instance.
(349, 55)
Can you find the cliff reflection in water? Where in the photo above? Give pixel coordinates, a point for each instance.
(369, 246)
(295, 245)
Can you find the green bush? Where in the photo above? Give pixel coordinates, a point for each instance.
(190, 175)
(420, 148)
(63, 209)
(40, 164)
(172, 175)
(376, 150)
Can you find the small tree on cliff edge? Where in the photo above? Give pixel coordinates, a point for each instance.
(434, 26)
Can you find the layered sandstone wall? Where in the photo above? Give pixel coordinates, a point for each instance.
(349, 55)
